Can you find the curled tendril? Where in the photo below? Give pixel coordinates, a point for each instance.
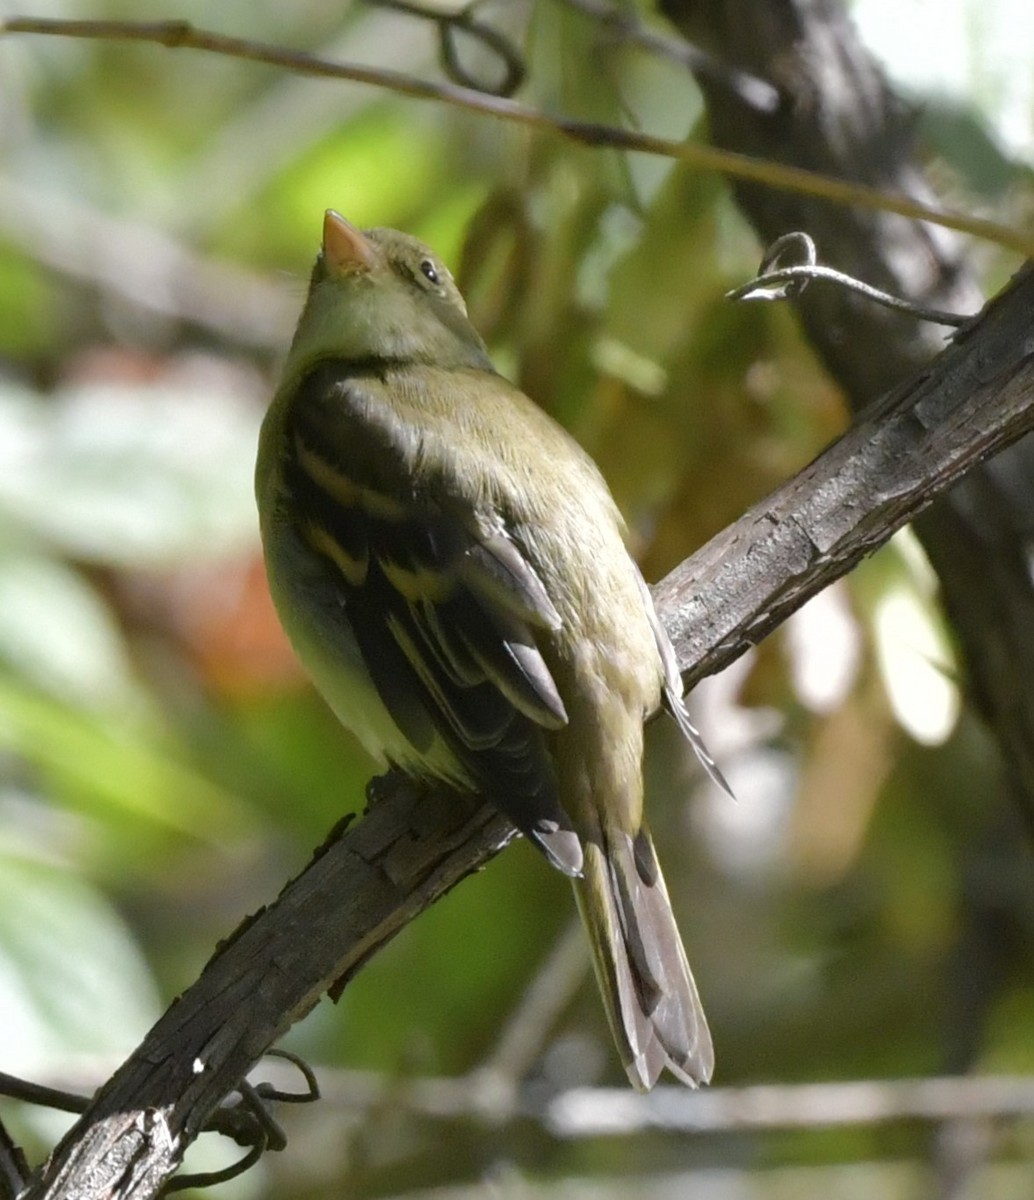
(258, 1131)
(775, 282)
(502, 49)
(205, 1179)
(248, 1121)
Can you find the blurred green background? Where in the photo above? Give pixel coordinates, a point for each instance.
(864, 910)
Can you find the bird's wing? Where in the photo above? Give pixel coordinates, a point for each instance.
(443, 604)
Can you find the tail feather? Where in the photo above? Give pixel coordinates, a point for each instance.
(652, 1003)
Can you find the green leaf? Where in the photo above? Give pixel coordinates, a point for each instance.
(72, 979)
(57, 632)
(130, 476)
(115, 765)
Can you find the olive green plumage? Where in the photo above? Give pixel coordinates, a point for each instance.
(450, 568)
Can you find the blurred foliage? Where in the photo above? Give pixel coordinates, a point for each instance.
(864, 910)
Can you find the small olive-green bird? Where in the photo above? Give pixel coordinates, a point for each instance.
(449, 566)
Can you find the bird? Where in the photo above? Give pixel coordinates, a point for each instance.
(452, 572)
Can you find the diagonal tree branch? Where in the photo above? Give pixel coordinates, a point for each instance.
(373, 877)
(759, 169)
(898, 456)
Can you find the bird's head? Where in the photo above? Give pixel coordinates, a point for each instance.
(378, 294)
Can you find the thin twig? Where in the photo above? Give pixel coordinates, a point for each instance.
(312, 1087)
(260, 140)
(542, 1001)
(181, 34)
(207, 1179)
(601, 1112)
(614, 1112)
(769, 287)
(39, 1094)
(780, 283)
(464, 21)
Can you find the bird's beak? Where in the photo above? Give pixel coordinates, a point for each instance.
(346, 250)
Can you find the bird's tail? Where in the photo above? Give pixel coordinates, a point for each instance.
(652, 1003)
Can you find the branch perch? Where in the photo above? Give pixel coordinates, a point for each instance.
(381, 872)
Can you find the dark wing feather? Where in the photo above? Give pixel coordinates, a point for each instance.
(446, 616)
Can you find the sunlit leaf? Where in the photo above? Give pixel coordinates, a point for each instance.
(72, 980)
(112, 764)
(57, 632)
(130, 476)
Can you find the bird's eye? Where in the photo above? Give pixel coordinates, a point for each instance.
(427, 269)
